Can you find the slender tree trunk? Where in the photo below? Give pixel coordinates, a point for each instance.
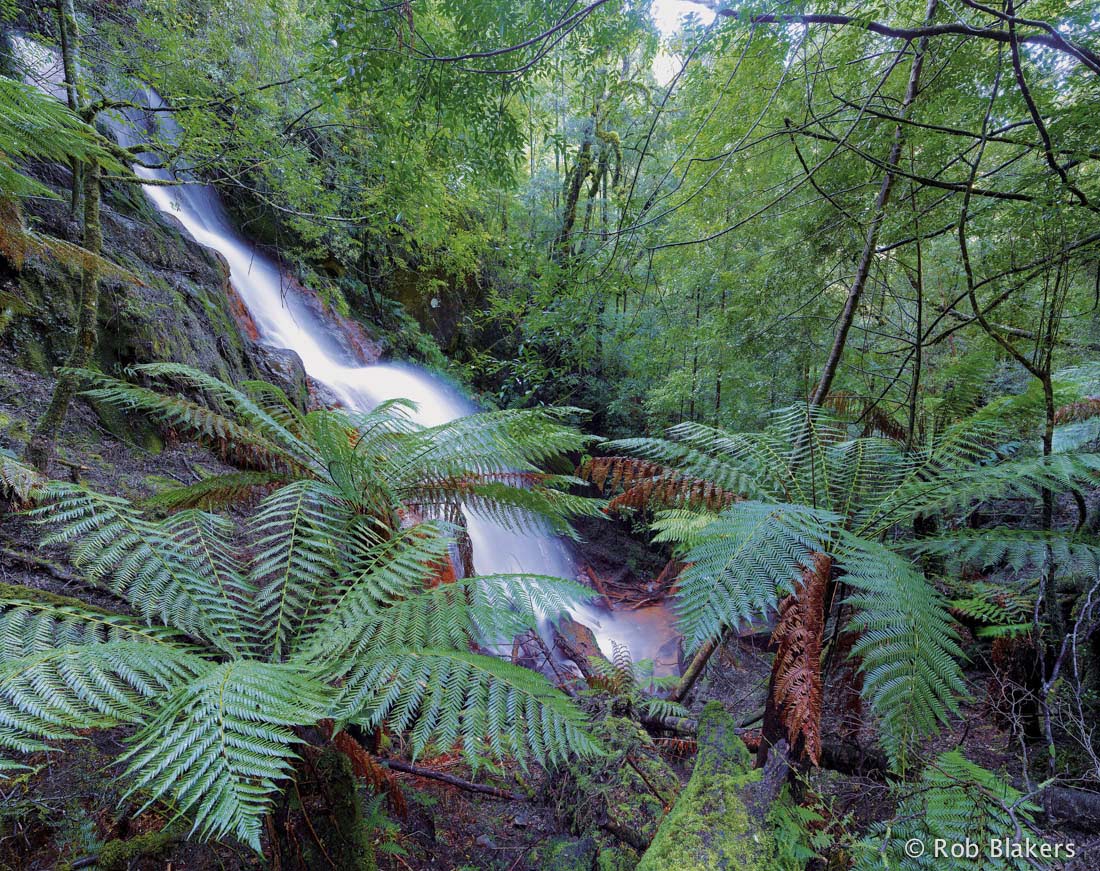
(40, 448)
(917, 282)
(70, 59)
(863, 270)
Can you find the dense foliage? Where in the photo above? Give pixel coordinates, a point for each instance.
(878, 218)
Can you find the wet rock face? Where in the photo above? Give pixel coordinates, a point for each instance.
(283, 368)
(346, 333)
(179, 311)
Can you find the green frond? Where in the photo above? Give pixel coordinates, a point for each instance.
(236, 441)
(1023, 478)
(380, 574)
(907, 646)
(152, 566)
(274, 401)
(506, 499)
(31, 625)
(51, 693)
(295, 531)
(954, 802)
(35, 125)
(743, 562)
(449, 696)
(681, 526)
(221, 744)
(654, 706)
(18, 481)
(514, 440)
(219, 491)
(1021, 550)
(455, 615)
(249, 412)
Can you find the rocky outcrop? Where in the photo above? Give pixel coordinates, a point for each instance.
(173, 305)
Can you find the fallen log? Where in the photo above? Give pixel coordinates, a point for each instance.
(443, 777)
(720, 820)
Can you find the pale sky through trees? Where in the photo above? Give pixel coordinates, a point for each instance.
(667, 15)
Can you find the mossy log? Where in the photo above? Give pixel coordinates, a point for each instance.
(719, 822)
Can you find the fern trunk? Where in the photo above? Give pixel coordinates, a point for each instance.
(41, 446)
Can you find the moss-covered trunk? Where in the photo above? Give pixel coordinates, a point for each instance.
(719, 822)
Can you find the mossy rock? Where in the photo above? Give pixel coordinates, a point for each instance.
(719, 822)
(565, 854)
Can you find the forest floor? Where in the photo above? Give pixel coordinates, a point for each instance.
(72, 803)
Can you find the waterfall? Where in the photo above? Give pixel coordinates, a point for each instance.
(284, 321)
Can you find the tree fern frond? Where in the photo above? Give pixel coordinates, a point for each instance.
(296, 530)
(143, 563)
(954, 802)
(908, 647)
(743, 561)
(536, 508)
(219, 491)
(240, 403)
(35, 125)
(51, 693)
(1026, 478)
(449, 696)
(222, 743)
(380, 575)
(274, 401)
(31, 625)
(18, 481)
(467, 611)
(1019, 549)
(229, 438)
(495, 441)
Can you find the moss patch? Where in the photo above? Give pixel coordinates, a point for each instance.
(711, 827)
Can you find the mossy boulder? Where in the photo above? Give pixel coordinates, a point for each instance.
(720, 821)
(167, 301)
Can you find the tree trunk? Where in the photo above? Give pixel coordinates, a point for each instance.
(70, 59)
(863, 270)
(41, 446)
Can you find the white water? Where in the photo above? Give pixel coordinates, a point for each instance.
(284, 321)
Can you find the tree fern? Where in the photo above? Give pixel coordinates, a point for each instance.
(491, 463)
(324, 603)
(810, 486)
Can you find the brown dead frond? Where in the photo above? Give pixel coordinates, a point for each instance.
(645, 484)
(796, 671)
(1078, 411)
(378, 777)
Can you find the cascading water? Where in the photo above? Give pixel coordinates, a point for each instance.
(284, 321)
